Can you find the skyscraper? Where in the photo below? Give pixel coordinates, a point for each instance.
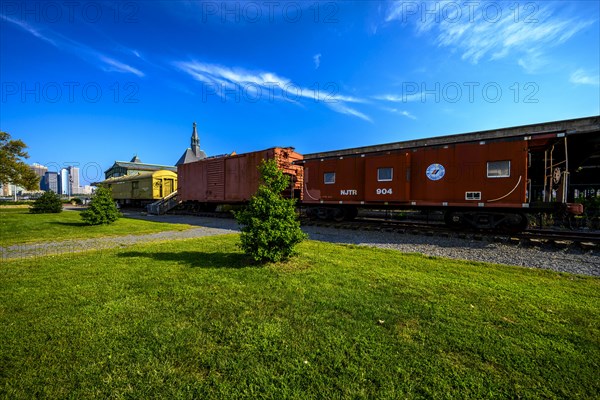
(64, 187)
(50, 182)
(40, 171)
(73, 180)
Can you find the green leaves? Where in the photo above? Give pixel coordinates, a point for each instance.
(12, 168)
(102, 209)
(270, 228)
(47, 203)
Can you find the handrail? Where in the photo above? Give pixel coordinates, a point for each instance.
(163, 205)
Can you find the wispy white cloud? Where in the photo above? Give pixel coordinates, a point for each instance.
(403, 98)
(582, 77)
(317, 60)
(490, 30)
(344, 109)
(404, 113)
(533, 60)
(117, 66)
(83, 51)
(267, 86)
(28, 28)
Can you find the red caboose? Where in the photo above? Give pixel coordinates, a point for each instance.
(485, 179)
(231, 179)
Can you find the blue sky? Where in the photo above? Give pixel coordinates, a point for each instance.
(87, 83)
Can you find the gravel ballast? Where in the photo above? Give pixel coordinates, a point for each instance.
(562, 260)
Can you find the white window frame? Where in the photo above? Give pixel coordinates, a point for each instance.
(325, 175)
(500, 169)
(391, 174)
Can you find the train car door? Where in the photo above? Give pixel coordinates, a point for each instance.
(168, 187)
(215, 171)
(135, 189)
(233, 181)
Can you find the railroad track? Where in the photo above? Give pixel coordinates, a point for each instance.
(559, 239)
(572, 236)
(435, 227)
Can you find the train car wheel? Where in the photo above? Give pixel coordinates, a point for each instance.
(351, 213)
(311, 213)
(338, 214)
(516, 222)
(453, 220)
(322, 213)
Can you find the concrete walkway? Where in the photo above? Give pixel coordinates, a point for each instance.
(205, 227)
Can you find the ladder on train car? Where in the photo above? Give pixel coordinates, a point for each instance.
(556, 172)
(163, 205)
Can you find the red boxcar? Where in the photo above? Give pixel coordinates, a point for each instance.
(234, 178)
(485, 179)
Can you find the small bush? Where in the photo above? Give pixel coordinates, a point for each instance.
(269, 225)
(47, 203)
(102, 209)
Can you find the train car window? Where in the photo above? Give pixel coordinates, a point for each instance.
(329, 178)
(135, 185)
(498, 169)
(385, 174)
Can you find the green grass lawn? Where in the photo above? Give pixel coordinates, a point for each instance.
(18, 226)
(193, 319)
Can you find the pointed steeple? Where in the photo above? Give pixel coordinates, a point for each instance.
(195, 140)
(193, 153)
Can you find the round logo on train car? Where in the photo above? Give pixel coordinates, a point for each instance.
(435, 172)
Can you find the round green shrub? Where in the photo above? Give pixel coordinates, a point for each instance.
(49, 202)
(102, 208)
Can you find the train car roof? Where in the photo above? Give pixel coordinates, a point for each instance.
(134, 177)
(569, 127)
(235, 154)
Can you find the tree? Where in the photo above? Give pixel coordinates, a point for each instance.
(12, 168)
(269, 225)
(49, 202)
(102, 208)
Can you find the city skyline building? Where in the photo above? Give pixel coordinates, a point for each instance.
(64, 187)
(50, 182)
(65, 182)
(73, 180)
(6, 189)
(40, 170)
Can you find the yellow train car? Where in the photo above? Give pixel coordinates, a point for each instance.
(141, 188)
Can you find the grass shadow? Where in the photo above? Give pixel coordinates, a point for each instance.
(198, 259)
(78, 224)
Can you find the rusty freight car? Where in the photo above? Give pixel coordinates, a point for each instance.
(233, 179)
(488, 179)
